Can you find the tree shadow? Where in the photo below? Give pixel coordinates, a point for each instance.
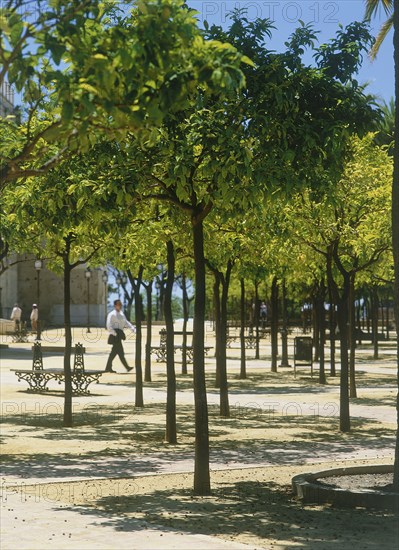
(258, 509)
(130, 441)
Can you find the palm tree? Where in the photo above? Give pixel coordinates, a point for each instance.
(372, 6)
(386, 132)
(391, 8)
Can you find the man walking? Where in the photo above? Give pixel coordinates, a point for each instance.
(16, 317)
(116, 322)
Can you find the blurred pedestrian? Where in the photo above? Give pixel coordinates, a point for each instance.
(263, 313)
(16, 317)
(116, 322)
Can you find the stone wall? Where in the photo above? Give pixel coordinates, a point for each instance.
(20, 284)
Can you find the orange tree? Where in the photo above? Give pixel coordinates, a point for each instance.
(87, 70)
(286, 124)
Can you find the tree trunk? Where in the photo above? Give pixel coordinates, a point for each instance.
(274, 323)
(344, 336)
(243, 364)
(352, 337)
(358, 316)
(147, 368)
(68, 420)
(332, 325)
(284, 328)
(341, 300)
(387, 319)
(138, 363)
(218, 326)
(315, 325)
(322, 333)
(395, 223)
(171, 432)
(224, 393)
(161, 316)
(374, 320)
(369, 310)
(256, 320)
(129, 303)
(202, 483)
(185, 320)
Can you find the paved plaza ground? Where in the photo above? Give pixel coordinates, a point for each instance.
(111, 482)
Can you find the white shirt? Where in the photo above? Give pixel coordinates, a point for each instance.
(117, 319)
(16, 314)
(34, 316)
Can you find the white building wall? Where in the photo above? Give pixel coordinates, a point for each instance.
(19, 284)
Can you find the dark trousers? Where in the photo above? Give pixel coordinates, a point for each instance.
(117, 349)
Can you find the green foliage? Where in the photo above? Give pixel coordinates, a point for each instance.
(90, 72)
(352, 218)
(341, 58)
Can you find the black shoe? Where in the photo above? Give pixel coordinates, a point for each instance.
(129, 369)
(110, 370)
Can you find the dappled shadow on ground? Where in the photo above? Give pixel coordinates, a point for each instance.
(387, 401)
(24, 355)
(130, 441)
(256, 509)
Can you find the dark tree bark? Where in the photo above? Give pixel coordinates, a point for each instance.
(284, 327)
(224, 394)
(68, 267)
(322, 332)
(332, 325)
(368, 314)
(344, 386)
(341, 300)
(387, 319)
(186, 312)
(161, 286)
(395, 222)
(171, 432)
(374, 321)
(147, 366)
(256, 319)
(274, 323)
(136, 284)
(352, 337)
(128, 297)
(358, 317)
(202, 483)
(68, 420)
(315, 324)
(218, 326)
(243, 362)
(220, 306)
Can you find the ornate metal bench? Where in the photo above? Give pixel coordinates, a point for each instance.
(20, 335)
(38, 377)
(160, 351)
(250, 341)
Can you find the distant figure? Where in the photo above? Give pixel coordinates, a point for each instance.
(34, 320)
(116, 322)
(16, 317)
(253, 306)
(306, 313)
(263, 313)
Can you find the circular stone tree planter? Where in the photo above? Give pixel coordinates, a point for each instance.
(317, 488)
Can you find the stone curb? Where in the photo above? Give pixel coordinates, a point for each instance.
(307, 488)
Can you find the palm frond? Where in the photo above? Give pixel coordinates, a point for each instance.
(372, 6)
(386, 27)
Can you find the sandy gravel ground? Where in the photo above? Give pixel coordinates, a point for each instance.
(112, 470)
